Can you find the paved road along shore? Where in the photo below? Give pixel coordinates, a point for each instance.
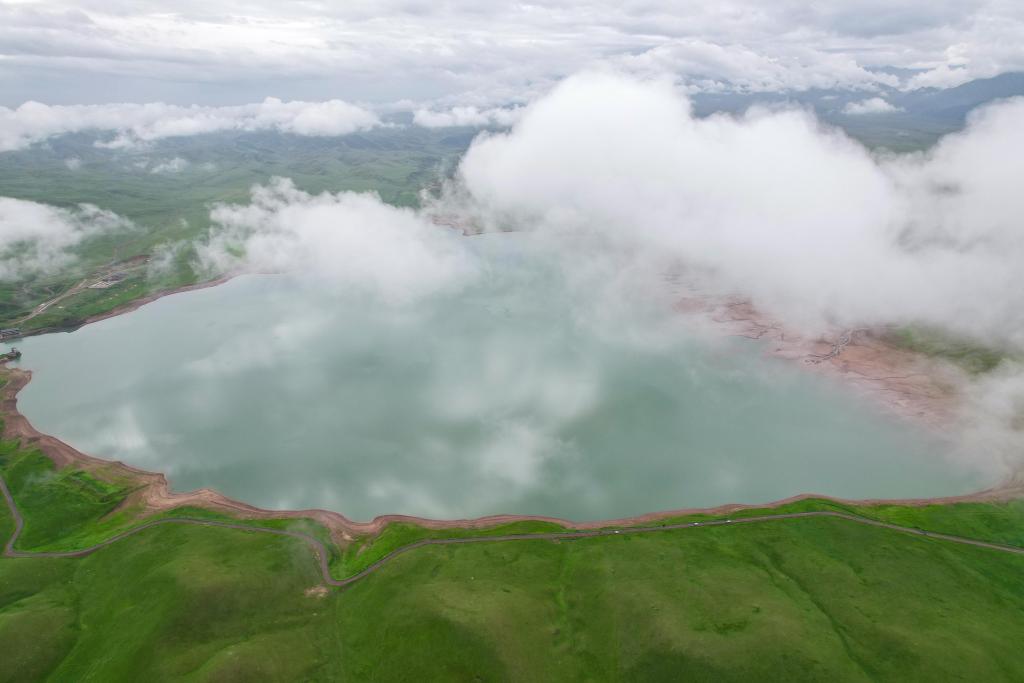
(321, 554)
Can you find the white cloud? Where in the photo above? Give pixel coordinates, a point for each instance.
(175, 165)
(992, 402)
(772, 203)
(708, 66)
(484, 54)
(133, 124)
(873, 105)
(467, 116)
(346, 240)
(73, 163)
(39, 239)
(985, 47)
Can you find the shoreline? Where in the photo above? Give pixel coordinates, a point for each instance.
(132, 305)
(154, 494)
(903, 383)
(732, 317)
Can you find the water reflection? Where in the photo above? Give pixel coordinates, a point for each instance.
(514, 395)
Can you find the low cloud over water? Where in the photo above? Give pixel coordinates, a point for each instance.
(621, 183)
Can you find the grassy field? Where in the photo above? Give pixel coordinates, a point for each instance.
(969, 355)
(804, 599)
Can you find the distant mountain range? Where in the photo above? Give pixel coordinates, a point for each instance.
(919, 117)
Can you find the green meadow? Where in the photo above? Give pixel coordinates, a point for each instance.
(798, 599)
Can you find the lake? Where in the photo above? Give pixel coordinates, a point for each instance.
(514, 394)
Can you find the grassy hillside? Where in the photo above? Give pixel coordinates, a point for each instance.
(801, 599)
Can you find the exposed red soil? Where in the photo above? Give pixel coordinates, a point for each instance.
(906, 383)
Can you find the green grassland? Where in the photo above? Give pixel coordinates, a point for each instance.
(970, 355)
(800, 599)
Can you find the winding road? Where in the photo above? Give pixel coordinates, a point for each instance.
(321, 554)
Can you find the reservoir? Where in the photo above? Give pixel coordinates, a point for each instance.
(513, 394)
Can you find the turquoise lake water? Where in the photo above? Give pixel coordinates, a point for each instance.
(508, 396)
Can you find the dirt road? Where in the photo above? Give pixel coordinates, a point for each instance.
(42, 308)
(321, 554)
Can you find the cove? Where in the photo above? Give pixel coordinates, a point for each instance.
(507, 395)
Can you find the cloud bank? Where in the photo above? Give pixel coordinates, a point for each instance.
(134, 124)
(345, 240)
(37, 239)
(707, 66)
(771, 204)
(774, 204)
(222, 51)
(467, 116)
(872, 105)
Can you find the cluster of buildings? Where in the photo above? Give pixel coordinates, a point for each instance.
(108, 281)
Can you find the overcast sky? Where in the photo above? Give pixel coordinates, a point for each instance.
(483, 53)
